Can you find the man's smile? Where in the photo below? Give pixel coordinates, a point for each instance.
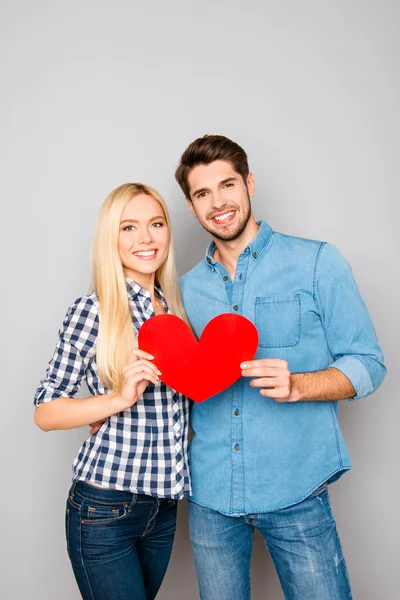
(224, 217)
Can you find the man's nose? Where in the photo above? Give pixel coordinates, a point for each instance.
(218, 201)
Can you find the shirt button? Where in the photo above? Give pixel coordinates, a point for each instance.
(225, 278)
(255, 254)
(237, 447)
(236, 412)
(236, 307)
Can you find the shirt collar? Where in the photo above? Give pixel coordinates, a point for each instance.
(134, 289)
(255, 248)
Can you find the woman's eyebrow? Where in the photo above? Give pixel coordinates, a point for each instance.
(136, 221)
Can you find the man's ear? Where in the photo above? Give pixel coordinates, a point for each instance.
(251, 184)
(190, 205)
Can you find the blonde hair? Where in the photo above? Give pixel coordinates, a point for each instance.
(116, 337)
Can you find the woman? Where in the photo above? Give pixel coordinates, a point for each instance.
(127, 478)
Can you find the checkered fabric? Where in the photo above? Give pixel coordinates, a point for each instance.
(141, 450)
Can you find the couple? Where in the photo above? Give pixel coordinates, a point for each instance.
(264, 450)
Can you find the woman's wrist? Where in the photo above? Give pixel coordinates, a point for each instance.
(118, 402)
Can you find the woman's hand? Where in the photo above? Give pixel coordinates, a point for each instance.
(135, 377)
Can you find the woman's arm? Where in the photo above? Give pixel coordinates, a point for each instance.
(67, 413)
(56, 407)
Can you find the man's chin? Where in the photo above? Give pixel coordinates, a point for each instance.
(228, 235)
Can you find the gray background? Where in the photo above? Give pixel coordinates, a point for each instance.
(95, 94)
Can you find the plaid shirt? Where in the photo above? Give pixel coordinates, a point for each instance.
(142, 449)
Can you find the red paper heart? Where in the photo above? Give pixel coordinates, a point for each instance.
(199, 369)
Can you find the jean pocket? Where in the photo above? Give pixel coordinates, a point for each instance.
(278, 321)
(94, 513)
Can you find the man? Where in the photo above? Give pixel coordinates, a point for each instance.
(265, 449)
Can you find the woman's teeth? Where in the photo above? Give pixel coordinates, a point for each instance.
(147, 253)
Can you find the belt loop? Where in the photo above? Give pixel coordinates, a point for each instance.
(134, 500)
(73, 486)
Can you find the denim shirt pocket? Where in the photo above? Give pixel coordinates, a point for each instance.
(278, 321)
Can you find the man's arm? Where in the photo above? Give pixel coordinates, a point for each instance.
(357, 367)
(276, 381)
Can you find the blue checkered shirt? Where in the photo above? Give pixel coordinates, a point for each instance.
(142, 449)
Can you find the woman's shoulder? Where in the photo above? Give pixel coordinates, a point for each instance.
(81, 323)
(85, 305)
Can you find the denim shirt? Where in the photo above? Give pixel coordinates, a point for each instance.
(249, 453)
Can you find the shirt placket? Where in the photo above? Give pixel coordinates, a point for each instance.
(179, 460)
(235, 293)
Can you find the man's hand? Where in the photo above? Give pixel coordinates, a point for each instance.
(276, 381)
(273, 377)
(94, 427)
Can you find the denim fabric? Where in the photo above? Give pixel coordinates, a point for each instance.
(119, 543)
(249, 453)
(302, 541)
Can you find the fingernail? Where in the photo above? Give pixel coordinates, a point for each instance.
(159, 372)
(243, 366)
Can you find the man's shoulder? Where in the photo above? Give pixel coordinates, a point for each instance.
(297, 241)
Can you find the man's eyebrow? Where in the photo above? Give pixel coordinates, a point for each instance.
(136, 221)
(227, 180)
(199, 191)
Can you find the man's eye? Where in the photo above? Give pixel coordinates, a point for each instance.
(229, 184)
(201, 195)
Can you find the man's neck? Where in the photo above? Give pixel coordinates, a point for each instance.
(227, 253)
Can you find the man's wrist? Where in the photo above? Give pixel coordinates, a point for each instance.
(296, 387)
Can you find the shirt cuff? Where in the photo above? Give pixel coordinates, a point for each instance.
(46, 394)
(357, 373)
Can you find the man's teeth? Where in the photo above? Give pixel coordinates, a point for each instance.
(225, 216)
(148, 253)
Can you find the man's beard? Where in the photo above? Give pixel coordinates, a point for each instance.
(229, 237)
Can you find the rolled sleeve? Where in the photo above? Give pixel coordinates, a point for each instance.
(348, 327)
(74, 351)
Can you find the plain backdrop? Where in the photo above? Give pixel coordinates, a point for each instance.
(95, 94)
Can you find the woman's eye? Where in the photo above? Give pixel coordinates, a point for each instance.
(129, 228)
(158, 224)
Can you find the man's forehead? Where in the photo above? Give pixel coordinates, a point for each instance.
(203, 175)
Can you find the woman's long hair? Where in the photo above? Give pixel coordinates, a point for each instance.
(116, 337)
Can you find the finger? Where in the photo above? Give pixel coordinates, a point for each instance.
(132, 358)
(265, 372)
(278, 394)
(142, 354)
(264, 362)
(135, 379)
(94, 429)
(139, 364)
(145, 371)
(270, 382)
(99, 422)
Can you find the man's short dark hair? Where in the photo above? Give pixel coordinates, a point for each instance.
(206, 150)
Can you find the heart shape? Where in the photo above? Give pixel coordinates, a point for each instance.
(199, 369)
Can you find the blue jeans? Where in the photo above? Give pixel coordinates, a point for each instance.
(119, 543)
(302, 540)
